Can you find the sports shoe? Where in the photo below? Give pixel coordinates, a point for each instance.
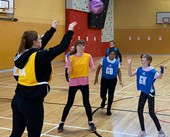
(142, 134)
(161, 135)
(92, 127)
(103, 103)
(109, 113)
(60, 127)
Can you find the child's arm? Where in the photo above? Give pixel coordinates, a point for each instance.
(130, 73)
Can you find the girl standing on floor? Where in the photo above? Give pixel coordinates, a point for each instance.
(110, 69)
(78, 70)
(145, 78)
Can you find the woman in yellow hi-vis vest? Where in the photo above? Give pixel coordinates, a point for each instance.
(44, 40)
(35, 72)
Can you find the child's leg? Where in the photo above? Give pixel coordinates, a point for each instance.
(151, 104)
(141, 104)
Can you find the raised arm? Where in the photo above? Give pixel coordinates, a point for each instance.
(48, 35)
(130, 73)
(48, 55)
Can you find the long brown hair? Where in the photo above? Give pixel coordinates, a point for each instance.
(75, 45)
(27, 40)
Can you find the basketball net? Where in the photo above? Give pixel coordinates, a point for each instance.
(9, 13)
(165, 22)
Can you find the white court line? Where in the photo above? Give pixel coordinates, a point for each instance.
(75, 127)
(46, 133)
(82, 127)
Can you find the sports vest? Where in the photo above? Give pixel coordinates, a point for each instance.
(145, 80)
(80, 66)
(27, 75)
(109, 70)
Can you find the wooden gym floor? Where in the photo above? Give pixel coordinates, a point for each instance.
(122, 123)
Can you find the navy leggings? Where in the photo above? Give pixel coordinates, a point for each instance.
(27, 113)
(71, 96)
(108, 85)
(151, 104)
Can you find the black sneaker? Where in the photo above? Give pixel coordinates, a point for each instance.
(60, 127)
(109, 113)
(103, 103)
(92, 127)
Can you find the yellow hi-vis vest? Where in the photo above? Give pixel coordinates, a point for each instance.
(27, 75)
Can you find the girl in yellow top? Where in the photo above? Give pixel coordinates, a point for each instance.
(78, 69)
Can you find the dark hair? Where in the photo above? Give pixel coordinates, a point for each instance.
(147, 56)
(27, 40)
(75, 45)
(112, 41)
(112, 51)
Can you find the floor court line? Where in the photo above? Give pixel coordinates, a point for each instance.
(75, 127)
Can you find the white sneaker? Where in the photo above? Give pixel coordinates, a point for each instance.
(161, 135)
(142, 134)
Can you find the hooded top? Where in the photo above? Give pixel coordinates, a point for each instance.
(45, 39)
(35, 69)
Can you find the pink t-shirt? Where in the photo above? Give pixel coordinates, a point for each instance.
(82, 80)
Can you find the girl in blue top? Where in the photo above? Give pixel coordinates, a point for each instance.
(145, 78)
(110, 69)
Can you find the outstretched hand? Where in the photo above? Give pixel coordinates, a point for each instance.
(54, 24)
(72, 25)
(129, 60)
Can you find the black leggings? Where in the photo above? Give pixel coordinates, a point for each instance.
(27, 113)
(151, 104)
(71, 95)
(108, 85)
(66, 75)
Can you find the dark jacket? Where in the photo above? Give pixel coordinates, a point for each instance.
(42, 67)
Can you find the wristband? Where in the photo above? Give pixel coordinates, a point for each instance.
(162, 69)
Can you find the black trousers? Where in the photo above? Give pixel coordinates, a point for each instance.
(66, 75)
(151, 104)
(27, 113)
(71, 96)
(108, 85)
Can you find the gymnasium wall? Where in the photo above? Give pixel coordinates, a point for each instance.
(35, 15)
(82, 31)
(135, 27)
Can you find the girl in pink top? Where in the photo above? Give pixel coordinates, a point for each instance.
(78, 67)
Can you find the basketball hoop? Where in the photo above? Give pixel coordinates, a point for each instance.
(10, 13)
(165, 21)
